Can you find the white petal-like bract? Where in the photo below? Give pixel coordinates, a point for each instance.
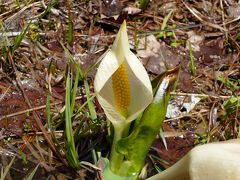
(125, 67)
(213, 161)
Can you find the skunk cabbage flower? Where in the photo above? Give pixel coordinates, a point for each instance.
(122, 85)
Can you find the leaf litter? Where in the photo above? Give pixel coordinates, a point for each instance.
(206, 104)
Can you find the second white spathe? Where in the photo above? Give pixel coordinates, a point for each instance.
(213, 161)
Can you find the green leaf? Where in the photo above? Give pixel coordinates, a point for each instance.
(109, 175)
(231, 105)
(136, 146)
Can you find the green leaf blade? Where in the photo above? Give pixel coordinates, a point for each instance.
(136, 146)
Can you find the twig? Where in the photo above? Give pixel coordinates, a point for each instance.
(200, 95)
(195, 13)
(185, 115)
(34, 109)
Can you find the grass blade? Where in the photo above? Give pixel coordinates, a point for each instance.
(19, 38)
(91, 106)
(193, 66)
(30, 177)
(7, 169)
(71, 153)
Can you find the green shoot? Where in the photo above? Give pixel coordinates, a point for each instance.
(70, 36)
(72, 155)
(49, 122)
(49, 7)
(164, 25)
(192, 60)
(19, 38)
(30, 177)
(91, 106)
(143, 4)
(231, 105)
(18, 4)
(90, 103)
(233, 84)
(71, 152)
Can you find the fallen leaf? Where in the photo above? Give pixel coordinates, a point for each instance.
(156, 56)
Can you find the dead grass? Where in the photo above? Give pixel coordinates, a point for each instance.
(35, 66)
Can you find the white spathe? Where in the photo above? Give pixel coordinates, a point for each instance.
(140, 85)
(213, 161)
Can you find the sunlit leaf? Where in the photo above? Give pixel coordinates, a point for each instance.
(136, 146)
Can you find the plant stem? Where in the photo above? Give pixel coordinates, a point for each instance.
(116, 159)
